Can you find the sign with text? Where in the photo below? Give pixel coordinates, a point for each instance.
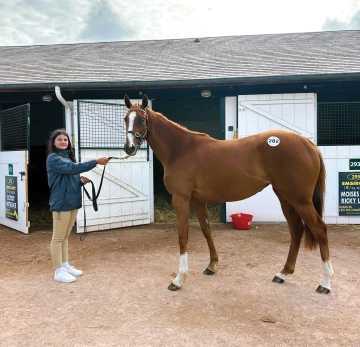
(11, 198)
(354, 164)
(349, 194)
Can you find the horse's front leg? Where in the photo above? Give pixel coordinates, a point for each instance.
(181, 206)
(203, 216)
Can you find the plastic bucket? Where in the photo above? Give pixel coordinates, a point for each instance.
(241, 221)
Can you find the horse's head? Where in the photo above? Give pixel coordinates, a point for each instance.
(136, 121)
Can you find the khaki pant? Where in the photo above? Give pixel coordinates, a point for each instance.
(62, 225)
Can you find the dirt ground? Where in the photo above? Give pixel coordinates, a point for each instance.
(122, 299)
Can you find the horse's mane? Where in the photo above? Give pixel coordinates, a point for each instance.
(178, 126)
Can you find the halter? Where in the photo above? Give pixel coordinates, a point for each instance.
(136, 134)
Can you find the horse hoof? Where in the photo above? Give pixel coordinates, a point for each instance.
(207, 271)
(278, 280)
(320, 289)
(173, 287)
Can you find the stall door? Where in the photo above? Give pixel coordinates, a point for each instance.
(258, 113)
(15, 128)
(126, 197)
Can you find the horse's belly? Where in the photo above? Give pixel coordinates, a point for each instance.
(227, 192)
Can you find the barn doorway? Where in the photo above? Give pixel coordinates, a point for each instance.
(44, 118)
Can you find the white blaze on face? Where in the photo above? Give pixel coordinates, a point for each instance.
(130, 136)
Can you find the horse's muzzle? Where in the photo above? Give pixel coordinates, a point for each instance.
(129, 150)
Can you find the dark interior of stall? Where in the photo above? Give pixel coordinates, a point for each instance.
(45, 117)
(202, 115)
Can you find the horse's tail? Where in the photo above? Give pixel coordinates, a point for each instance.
(318, 200)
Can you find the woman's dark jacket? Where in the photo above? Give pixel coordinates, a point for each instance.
(64, 180)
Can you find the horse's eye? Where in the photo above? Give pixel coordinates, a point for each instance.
(142, 120)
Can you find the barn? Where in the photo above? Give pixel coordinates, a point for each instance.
(227, 87)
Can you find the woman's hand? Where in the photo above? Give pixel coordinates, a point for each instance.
(84, 180)
(102, 160)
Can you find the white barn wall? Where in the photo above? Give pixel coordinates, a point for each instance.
(283, 112)
(257, 113)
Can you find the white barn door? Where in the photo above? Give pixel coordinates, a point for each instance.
(14, 190)
(258, 113)
(126, 197)
(15, 129)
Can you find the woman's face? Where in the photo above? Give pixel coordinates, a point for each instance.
(61, 142)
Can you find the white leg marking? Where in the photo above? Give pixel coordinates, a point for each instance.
(328, 272)
(183, 270)
(281, 276)
(130, 136)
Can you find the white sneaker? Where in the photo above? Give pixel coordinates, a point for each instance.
(63, 276)
(73, 271)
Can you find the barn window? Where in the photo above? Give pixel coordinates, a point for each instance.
(102, 125)
(338, 124)
(14, 124)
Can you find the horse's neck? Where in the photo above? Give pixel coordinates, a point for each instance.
(165, 138)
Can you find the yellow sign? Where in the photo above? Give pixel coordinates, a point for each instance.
(11, 198)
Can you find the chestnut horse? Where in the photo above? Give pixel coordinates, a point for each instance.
(199, 169)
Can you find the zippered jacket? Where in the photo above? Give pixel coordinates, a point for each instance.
(64, 180)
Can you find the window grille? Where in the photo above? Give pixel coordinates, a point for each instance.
(338, 124)
(102, 125)
(15, 128)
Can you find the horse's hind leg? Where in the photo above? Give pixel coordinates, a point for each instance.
(203, 216)
(296, 227)
(317, 232)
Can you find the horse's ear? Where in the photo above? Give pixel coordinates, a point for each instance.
(127, 101)
(145, 101)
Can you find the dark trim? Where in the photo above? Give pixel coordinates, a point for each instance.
(222, 127)
(28, 132)
(78, 125)
(332, 77)
(63, 116)
(237, 114)
(222, 118)
(223, 212)
(339, 102)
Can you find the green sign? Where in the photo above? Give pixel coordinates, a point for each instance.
(11, 169)
(349, 194)
(354, 164)
(11, 199)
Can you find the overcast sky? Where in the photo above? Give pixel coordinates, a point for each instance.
(43, 22)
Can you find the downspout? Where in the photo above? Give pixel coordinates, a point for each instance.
(68, 119)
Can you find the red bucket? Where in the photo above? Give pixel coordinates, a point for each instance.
(242, 221)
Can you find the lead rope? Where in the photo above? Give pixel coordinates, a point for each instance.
(94, 194)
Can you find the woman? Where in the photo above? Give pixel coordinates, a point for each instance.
(65, 198)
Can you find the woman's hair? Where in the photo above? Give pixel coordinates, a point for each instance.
(51, 147)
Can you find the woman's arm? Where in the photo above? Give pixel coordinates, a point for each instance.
(66, 166)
